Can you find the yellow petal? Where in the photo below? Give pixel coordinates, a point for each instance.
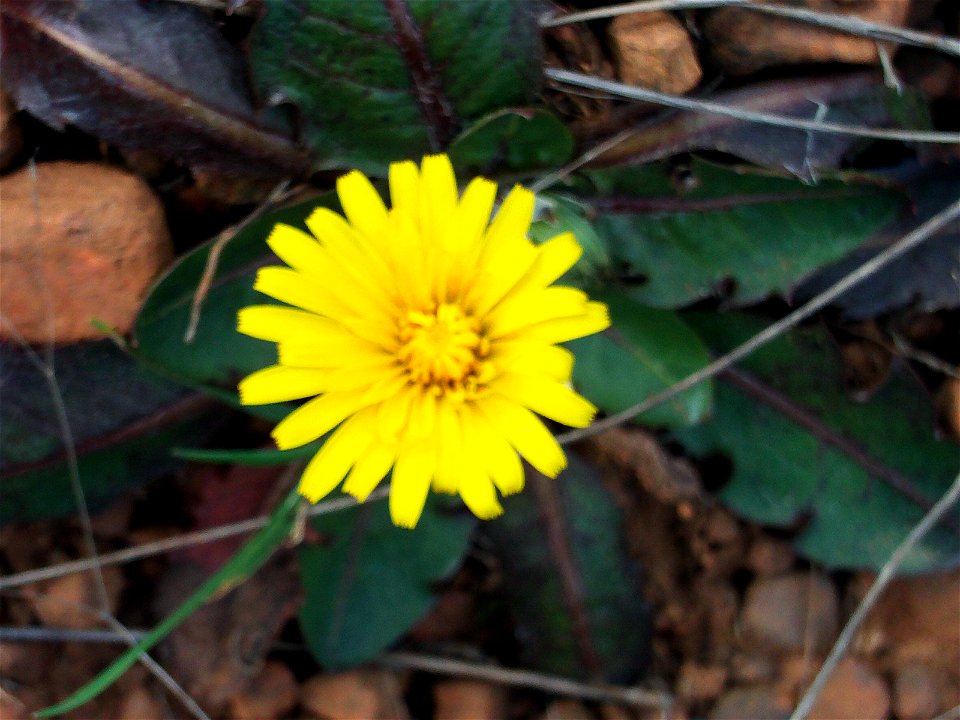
(296, 248)
(279, 384)
(297, 289)
(393, 414)
(498, 457)
(546, 397)
(315, 417)
(476, 490)
(404, 186)
(554, 258)
(527, 358)
(536, 306)
(331, 349)
(411, 483)
(525, 432)
(374, 463)
(450, 453)
(277, 323)
(361, 203)
(594, 319)
(438, 195)
(338, 454)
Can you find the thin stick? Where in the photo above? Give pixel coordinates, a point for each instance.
(631, 92)
(159, 547)
(213, 258)
(843, 23)
(879, 261)
(119, 633)
(638, 697)
(886, 575)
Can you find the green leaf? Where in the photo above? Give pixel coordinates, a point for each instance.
(784, 472)
(247, 560)
(618, 617)
(120, 417)
(562, 215)
(759, 233)
(645, 351)
(218, 356)
(368, 582)
(375, 82)
(514, 139)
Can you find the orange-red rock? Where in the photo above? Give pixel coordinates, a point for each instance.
(742, 41)
(786, 613)
(653, 50)
(273, 693)
(915, 693)
(853, 692)
(468, 700)
(350, 695)
(79, 241)
(67, 601)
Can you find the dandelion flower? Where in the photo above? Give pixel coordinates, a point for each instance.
(425, 336)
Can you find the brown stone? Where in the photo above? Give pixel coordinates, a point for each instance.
(71, 601)
(138, 702)
(948, 407)
(698, 683)
(343, 696)
(653, 50)
(790, 613)
(749, 668)
(915, 693)
(567, 709)
(853, 692)
(750, 702)
(468, 700)
(271, 694)
(12, 708)
(11, 137)
(82, 241)
(769, 556)
(743, 42)
(916, 620)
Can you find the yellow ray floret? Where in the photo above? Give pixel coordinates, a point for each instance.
(424, 339)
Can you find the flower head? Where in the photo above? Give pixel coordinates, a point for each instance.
(426, 337)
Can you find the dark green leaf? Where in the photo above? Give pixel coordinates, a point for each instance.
(618, 617)
(249, 458)
(218, 356)
(120, 418)
(379, 81)
(645, 351)
(760, 233)
(370, 581)
(783, 472)
(513, 140)
(563, 215)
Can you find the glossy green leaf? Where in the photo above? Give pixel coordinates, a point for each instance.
(218, 356)
(369, 581)
(557, 215)
(612, 592)
(247, 560)
(724, 231)
(784, 473)
(375, 82)
(512, 140)
(645, 351)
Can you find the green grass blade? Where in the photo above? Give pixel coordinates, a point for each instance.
(248, 458)
(244, 562)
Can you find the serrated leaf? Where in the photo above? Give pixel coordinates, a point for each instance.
(370, 581)
(645, 351)
(758, 233)
(612, 594)
(156, 77)
(379, 81)
(783, 472)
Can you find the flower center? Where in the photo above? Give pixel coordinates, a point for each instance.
(444, 350)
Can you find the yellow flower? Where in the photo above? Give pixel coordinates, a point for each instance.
(427, 334)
